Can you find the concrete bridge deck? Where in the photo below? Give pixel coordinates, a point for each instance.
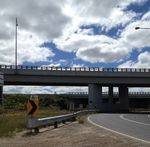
(25, 75)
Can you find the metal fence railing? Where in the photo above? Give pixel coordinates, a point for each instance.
(106, 93)
(98, 69)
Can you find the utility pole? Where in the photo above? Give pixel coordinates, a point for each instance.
(16, 29)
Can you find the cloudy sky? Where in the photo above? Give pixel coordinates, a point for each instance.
(95, 33)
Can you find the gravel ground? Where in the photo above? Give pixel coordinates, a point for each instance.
(71, 135)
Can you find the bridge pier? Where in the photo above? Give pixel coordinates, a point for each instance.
(95, 96)
(110, 94)
(1, 95)
(123, 98)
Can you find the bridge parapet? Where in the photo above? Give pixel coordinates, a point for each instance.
(115, 93)
(22, 67)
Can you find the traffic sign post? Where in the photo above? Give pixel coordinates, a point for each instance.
(32, 106)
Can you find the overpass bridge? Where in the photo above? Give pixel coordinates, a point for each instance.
(94, 78)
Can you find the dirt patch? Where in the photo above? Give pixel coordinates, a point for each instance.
(71, 135)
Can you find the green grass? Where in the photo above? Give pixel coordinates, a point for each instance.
(13, 122)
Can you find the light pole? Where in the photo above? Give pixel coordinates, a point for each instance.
(137, 28)
(16, 29)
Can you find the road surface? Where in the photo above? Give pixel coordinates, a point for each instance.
(136, 126)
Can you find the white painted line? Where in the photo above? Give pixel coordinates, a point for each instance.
(149, 116)
(137, 122)
(117, 132)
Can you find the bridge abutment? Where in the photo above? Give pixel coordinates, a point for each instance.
(95, 96)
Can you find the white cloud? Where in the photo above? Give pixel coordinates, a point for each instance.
(146, 16)
(102, 12)
(78, 65)
(58, 20)
(29, 49)
(43, 89)
(39, 21)
(97, 48)
(39, 17)
(102, 48)
(136, 38)
(143, 61)
(105, 13)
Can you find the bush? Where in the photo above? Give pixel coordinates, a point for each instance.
(2, 110)
(80, 120)
(16, 102)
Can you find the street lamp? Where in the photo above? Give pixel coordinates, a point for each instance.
(137, 28)
(16, 29)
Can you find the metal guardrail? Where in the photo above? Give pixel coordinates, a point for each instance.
(106, 93)
(35, 124)
(98, 69)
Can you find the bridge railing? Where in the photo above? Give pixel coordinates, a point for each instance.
(106, 93)
(98, 69)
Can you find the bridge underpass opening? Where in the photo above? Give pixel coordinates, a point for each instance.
(96, 100)
(117, 98)
(121, 98)
(139, 98)
(48, 92)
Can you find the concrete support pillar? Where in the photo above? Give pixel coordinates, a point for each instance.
(71, 106)
(123, 97)
(95, 96)
(1, 95)
(110, 94)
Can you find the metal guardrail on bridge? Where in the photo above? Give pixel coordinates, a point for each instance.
(106, 93)
(75, 68)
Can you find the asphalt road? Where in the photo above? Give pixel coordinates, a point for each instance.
(131, 125)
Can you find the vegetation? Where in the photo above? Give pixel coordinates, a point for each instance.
(13, 114)
(80, 120)
(18, 101)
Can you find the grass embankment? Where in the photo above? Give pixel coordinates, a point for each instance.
(12, 122)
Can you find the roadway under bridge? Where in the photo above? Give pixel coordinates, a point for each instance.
(94, 78)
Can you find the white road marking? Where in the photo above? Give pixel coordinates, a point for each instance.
(122, 117)
(117, 132)
(149, 116)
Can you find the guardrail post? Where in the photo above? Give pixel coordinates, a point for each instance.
(36, 130)
(55, 124)
(74, 118)
(63, 121)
